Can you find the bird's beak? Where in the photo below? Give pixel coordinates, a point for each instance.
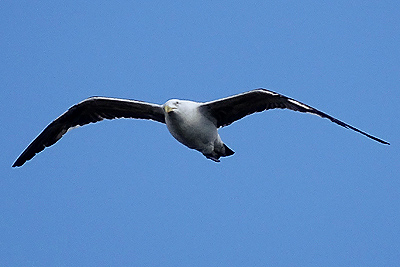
(168, 109)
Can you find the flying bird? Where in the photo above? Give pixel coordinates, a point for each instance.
(194, 124)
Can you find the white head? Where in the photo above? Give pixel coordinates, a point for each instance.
(179, 105)
(171, 105)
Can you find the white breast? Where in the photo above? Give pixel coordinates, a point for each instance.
(190, 127)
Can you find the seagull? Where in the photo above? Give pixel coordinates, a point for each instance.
(194, 124)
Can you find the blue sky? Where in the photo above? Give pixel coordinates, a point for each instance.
(299, 190)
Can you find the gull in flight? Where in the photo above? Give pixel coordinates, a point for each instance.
(194, 124)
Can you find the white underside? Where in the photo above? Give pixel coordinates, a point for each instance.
(193, 129)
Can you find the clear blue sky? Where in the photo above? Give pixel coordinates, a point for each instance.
(300, 190)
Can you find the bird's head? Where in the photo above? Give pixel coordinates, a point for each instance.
(182, 107)
(171, 105)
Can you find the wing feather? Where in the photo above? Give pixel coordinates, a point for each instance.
(227, 110)
(90, 110)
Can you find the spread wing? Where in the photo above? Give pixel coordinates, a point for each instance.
(230, 109)
(90, 110)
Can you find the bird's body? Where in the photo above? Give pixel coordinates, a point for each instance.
(186, 122)
(194, 124)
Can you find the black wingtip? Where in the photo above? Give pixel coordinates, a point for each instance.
(375, 138)
(16, 164)
(19, 161)
(385, 143)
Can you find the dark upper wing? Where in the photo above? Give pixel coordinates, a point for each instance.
(90, 110)
(229, 109)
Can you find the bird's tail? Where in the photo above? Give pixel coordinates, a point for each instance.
(228, 151)
(224, 152)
